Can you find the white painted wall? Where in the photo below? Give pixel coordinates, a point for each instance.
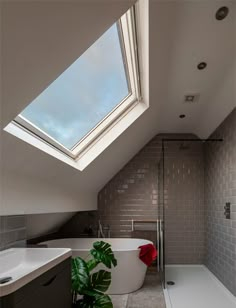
(23, 194)
(40, 40)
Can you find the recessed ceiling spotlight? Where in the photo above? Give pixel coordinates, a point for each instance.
(202, 65)
(189, 98)
(222, 12)
(182, 116)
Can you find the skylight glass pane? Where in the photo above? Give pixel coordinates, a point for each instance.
(83, 94)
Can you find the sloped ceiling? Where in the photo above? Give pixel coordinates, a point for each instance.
(41, 39)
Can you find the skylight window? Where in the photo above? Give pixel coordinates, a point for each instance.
(84, 94)
(89, 96)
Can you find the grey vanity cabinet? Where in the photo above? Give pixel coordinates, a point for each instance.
(50, 290)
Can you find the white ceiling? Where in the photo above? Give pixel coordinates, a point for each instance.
(41, 39)
(191, 34)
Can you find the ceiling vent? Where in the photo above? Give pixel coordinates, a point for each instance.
(191, 98)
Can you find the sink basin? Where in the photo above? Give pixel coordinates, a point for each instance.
(25, 264)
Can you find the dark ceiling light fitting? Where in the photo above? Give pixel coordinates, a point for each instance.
(181, 116)
(222, 12)
(202, 65)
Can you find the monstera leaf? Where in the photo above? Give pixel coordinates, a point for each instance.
(92, 264)
(91, 287)
(80, 275)
(101, 301)
(102, 253)
(101, 281)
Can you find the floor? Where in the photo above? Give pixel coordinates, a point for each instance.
(196, 287)
(149, 296)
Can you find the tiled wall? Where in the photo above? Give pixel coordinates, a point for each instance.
(184, 202)
(81, 224)
(12, 231)
(220, 187)
(133, 194)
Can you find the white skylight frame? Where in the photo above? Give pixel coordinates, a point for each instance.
(128, 40)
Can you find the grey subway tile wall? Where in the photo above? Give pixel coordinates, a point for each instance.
(184, 202)
(82, 224)
(12, 231)
(134, 193)
(220, 187)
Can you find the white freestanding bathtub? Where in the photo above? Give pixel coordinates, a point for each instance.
(128, 276)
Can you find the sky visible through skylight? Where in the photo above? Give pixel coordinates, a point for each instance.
(83, 94)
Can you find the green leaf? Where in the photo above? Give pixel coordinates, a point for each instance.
(100, 281)
(103, 301)
(100, 301)
(86, 302)
(91, 292)
(80, 275)
(92, 287)
(102, 253)
(92, 264)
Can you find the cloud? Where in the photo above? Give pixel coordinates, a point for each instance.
(84, 94)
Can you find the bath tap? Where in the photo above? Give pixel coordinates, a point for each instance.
(101, 230)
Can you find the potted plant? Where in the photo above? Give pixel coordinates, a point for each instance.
(88, 287)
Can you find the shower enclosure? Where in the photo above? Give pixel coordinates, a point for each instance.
(181, 203)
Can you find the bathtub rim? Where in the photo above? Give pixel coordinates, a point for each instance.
(97, 240)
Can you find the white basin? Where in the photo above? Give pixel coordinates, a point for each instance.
(25, 264)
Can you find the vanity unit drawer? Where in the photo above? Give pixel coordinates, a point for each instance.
(52, 289)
